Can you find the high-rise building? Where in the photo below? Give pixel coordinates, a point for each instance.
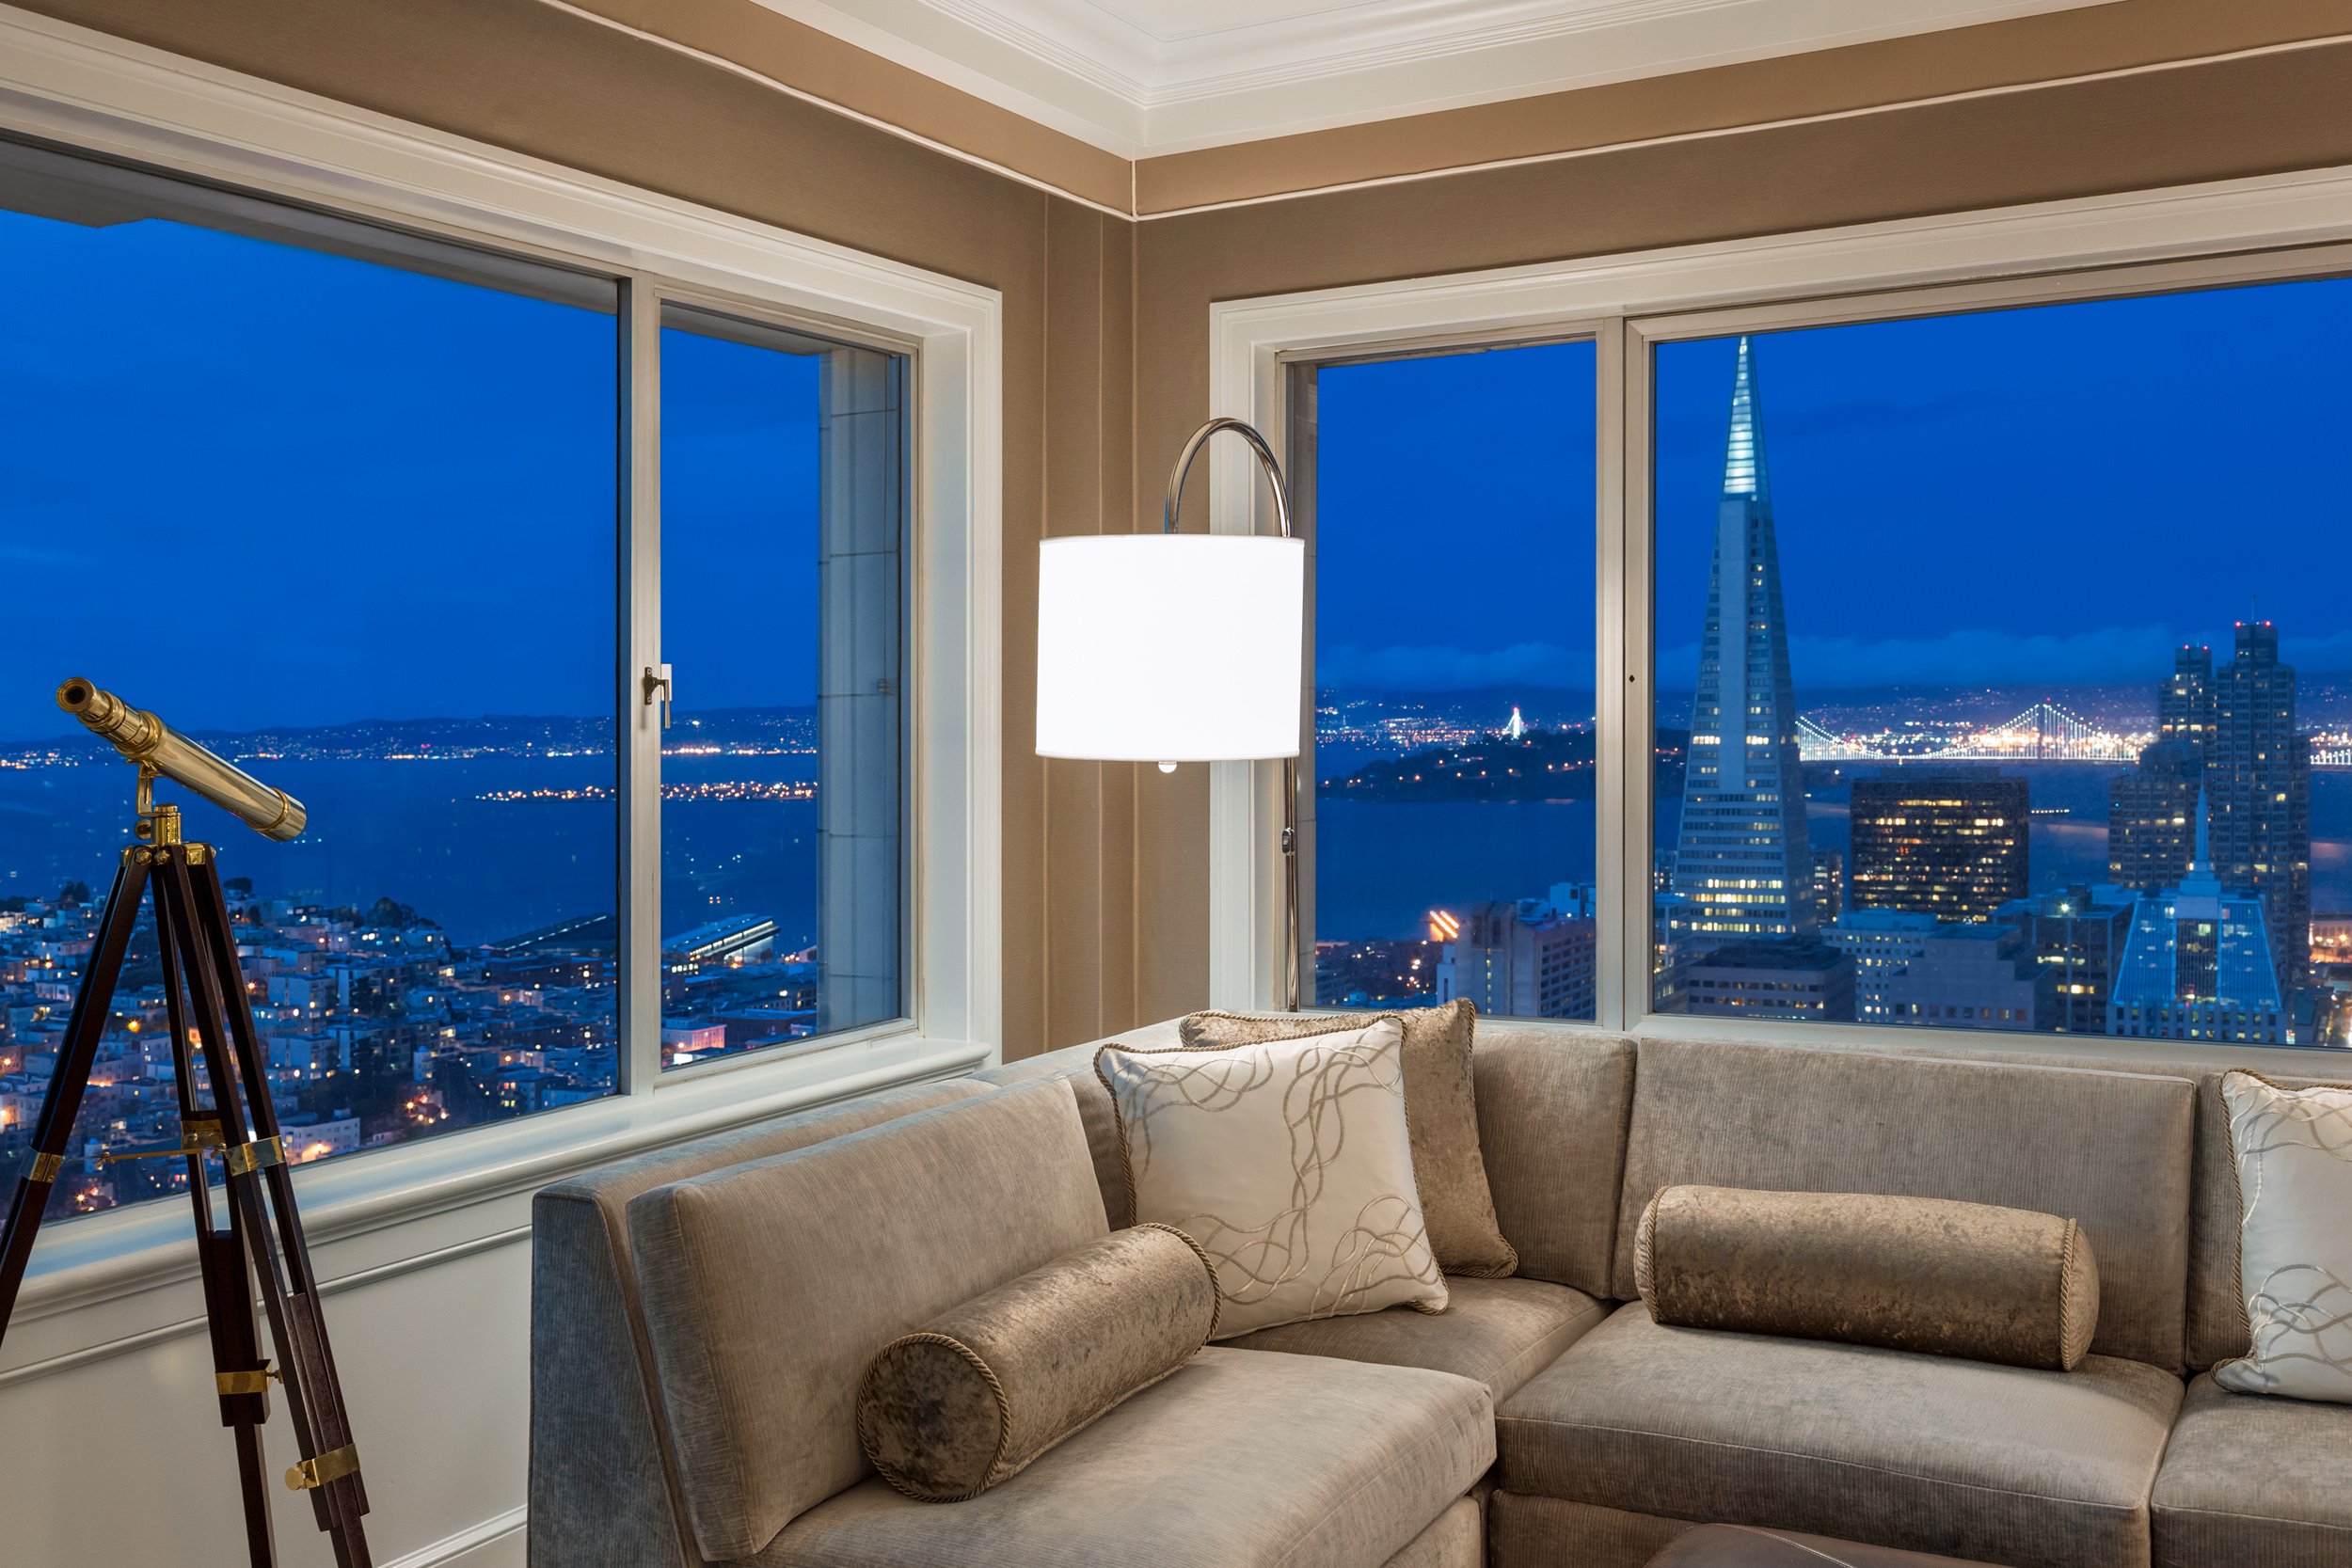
(2198, 965)
(1743, 867)
(1938, 840)
(1882, 944)
(1800, 978)
(1525, 958)
(1979, 977)
(2078, 938)
(1829, 886)
(2258, 791)
(2150, 831)
(2185, 701)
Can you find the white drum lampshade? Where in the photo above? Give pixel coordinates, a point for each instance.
(1171, 647)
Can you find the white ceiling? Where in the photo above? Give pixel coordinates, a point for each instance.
(1147, 77)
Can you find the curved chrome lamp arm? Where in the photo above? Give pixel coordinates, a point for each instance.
(1290, 764)
(1265, 460)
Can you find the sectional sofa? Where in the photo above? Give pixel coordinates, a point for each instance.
(690, 1400)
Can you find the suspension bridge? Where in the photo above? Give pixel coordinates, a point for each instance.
(2046, 732)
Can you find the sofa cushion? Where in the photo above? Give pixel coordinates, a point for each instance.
(769, 1287)
(1553, 1104)
(2035, 1470)
(1497, 1332)
(1751, 1546)
(2252, 1479)
(2110, 1150)
(1241, 1460)
(603, 1474)
(1074, 1064)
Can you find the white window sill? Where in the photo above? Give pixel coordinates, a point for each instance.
(83, 1263)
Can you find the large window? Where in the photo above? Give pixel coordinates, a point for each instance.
(1454, 560)
(2005, 662)
(340, 500)
(1970, 658)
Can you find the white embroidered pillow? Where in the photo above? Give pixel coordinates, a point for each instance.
(1290, 1162)
(2294, 1155)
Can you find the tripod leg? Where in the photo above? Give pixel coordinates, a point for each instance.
(240, 1377)
(92, 1006)
(259, 1183)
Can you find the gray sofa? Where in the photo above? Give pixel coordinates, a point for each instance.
(701, 1318)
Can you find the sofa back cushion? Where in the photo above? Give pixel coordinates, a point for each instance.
(767, 1288)
(2111, 1149)
(1553, 1105)
(603, 1475)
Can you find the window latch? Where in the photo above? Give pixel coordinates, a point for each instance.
(657, 678)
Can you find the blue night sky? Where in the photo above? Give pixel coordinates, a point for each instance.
(375, 493)
(2055, 495)
(380, 493)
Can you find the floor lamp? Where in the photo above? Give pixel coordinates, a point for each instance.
(1181, 647)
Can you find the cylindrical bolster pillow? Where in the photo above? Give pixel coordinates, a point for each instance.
(948, 1412)
(1915, 1273)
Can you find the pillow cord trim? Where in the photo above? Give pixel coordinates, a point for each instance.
(1004, 1418)
(2066, 1292)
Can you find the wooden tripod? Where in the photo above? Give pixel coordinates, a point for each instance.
(225, 1112)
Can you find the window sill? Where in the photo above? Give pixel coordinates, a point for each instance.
(85, 1261)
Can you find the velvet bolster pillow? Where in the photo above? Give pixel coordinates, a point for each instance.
(1910, 1274)
(971, 1399)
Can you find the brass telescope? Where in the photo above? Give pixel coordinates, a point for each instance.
(160, 751)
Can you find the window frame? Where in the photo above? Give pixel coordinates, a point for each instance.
(2274, 228)
(89, 94)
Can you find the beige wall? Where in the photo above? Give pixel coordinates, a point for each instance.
(1105, 904)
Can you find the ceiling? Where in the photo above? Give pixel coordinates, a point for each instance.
(1140, 77)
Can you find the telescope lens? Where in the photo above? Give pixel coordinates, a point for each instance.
(75, 694)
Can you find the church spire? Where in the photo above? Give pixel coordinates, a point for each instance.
(1744, 459)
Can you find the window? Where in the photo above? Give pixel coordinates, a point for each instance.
(339, 498)
(1453, 822)
(2001, 687)
(782, 581)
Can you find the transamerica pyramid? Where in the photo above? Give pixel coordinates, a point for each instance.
(1742, 867)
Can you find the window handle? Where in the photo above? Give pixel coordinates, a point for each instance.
(657, 677)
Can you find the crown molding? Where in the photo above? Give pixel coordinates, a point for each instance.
(1097, 73)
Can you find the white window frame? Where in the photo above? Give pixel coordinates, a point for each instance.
(408, 1204)
(2272, 228)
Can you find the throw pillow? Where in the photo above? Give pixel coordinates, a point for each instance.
(1440, 1102)
(1927, 1274)
(2292, 1150)
(1291, 1164)
(971, 1399)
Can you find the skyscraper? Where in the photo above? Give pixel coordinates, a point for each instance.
(1939, 840)
(2185, 701)
(2150, 831)
(2258, 790)
(1743, 868)
(2196, 965)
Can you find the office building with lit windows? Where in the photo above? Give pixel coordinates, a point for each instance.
(2258, 794)
(1798, 977)
(1743, 867)
(2077, 937)
(1938, 840)
(1526, 957)
(2151, 834)
(2197, 966)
